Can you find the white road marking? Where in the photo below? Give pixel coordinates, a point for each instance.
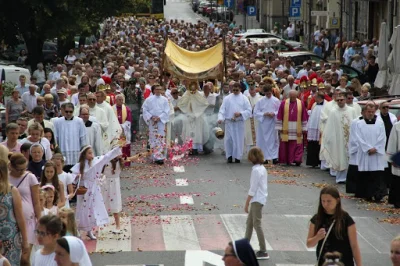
(187, 200)
(198, 257)
(109, 242)
(301, 222)
(235, 224)
(179, 233)
(179, 169)
(181, 182)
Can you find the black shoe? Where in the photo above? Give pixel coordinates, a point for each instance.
(194, 152)
(230, 159)
(237, 161)
(266, 162)
(160, 162)
(342, 182)
(298, 163)
(275, 161)
(262, 255)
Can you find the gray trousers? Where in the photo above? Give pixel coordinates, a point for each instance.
(254, 221)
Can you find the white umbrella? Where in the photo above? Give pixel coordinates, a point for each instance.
(382, 79)
(394, 62)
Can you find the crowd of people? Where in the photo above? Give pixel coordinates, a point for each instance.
(70, 127)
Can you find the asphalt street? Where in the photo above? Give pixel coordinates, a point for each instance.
(186, 211)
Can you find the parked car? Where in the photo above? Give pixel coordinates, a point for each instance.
(201, 6)
(49, 52)
(277, 44)
(256, 31)
(10, 73)
(210, 9)
(222, 14)
(255, 34)
(393, 101)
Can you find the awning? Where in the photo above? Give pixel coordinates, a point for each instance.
(202, 65)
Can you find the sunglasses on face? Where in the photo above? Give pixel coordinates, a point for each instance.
(385, 107)
(91, 99)
(68, 112)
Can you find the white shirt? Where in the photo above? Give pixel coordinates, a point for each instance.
(30, 100)
(39, 75)
(259, 184)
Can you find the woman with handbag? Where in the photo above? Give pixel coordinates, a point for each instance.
(90, 209)
(333, 229)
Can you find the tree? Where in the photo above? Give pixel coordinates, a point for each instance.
(39, 20)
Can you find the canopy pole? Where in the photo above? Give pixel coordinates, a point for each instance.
(162, 62)
(224, 55)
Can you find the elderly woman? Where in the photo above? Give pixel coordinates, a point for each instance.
(15, 107)
(51, 110)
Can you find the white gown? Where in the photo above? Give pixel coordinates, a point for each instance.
(90, 209)
(248, 137)
(267, 136)
(111, 189)
(234, 128)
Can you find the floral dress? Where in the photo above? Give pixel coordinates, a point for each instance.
(9, 231)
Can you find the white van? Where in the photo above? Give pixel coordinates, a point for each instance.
(11, 74)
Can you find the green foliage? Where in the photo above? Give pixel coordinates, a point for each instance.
(8, 88)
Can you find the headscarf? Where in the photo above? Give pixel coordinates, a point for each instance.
(245, 253)
(77, 251)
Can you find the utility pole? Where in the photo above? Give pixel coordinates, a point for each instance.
(341, 28)
(283, 16)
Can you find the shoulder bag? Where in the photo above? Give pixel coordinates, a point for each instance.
(323, 243)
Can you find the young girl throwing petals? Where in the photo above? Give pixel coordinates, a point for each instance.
(90, 208)
(111, 190)
(49, 229)
(50, 177)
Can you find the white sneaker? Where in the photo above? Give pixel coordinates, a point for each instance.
(91, 235)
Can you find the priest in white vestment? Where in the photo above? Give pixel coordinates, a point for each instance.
(235, 110)
(252, 123)
(156, 115)
(326, 110)
(93, 131)
(176, 130)
(335, 138)
(313, 132)
(371, 156)
(265, 112)
(114, 129)
(193, 105)
(210, 115)
(393, 148)
(70, 133)
(350, 102)
(101, 118)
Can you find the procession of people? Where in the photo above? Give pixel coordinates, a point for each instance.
(83, 121)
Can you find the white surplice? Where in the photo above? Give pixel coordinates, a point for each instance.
(193, 106)
(393, 146)
(313, 132)
(90, 208)
(71, 137)
(335, 138)
(249, 140)
(370, 136)
(114, 129)
(156, 106)
(267, 136)
(234, 127)
(94, 137)
(353, 144)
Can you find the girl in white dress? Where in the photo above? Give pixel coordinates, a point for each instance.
(90, 208)
(111, 190)
(50, 204)
(49, 229)
(66, 178)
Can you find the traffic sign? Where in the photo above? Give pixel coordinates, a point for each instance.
(319, 13)
(292, 19)
(334, 23)
(294, 11)
(295, 3)
(251, 11)
(228, 3)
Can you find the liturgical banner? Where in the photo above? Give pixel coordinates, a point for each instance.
(184, 64)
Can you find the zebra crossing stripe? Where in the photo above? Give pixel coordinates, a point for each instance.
(179, 233)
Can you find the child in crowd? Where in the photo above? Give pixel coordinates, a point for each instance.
(25, 150)
(111, 190)
(42, 201)
(50, 177)
(49, 229)
(36, 160)
(66, 178)
(67, 216)
(256, 199)
(3, 260)
(50, 205)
